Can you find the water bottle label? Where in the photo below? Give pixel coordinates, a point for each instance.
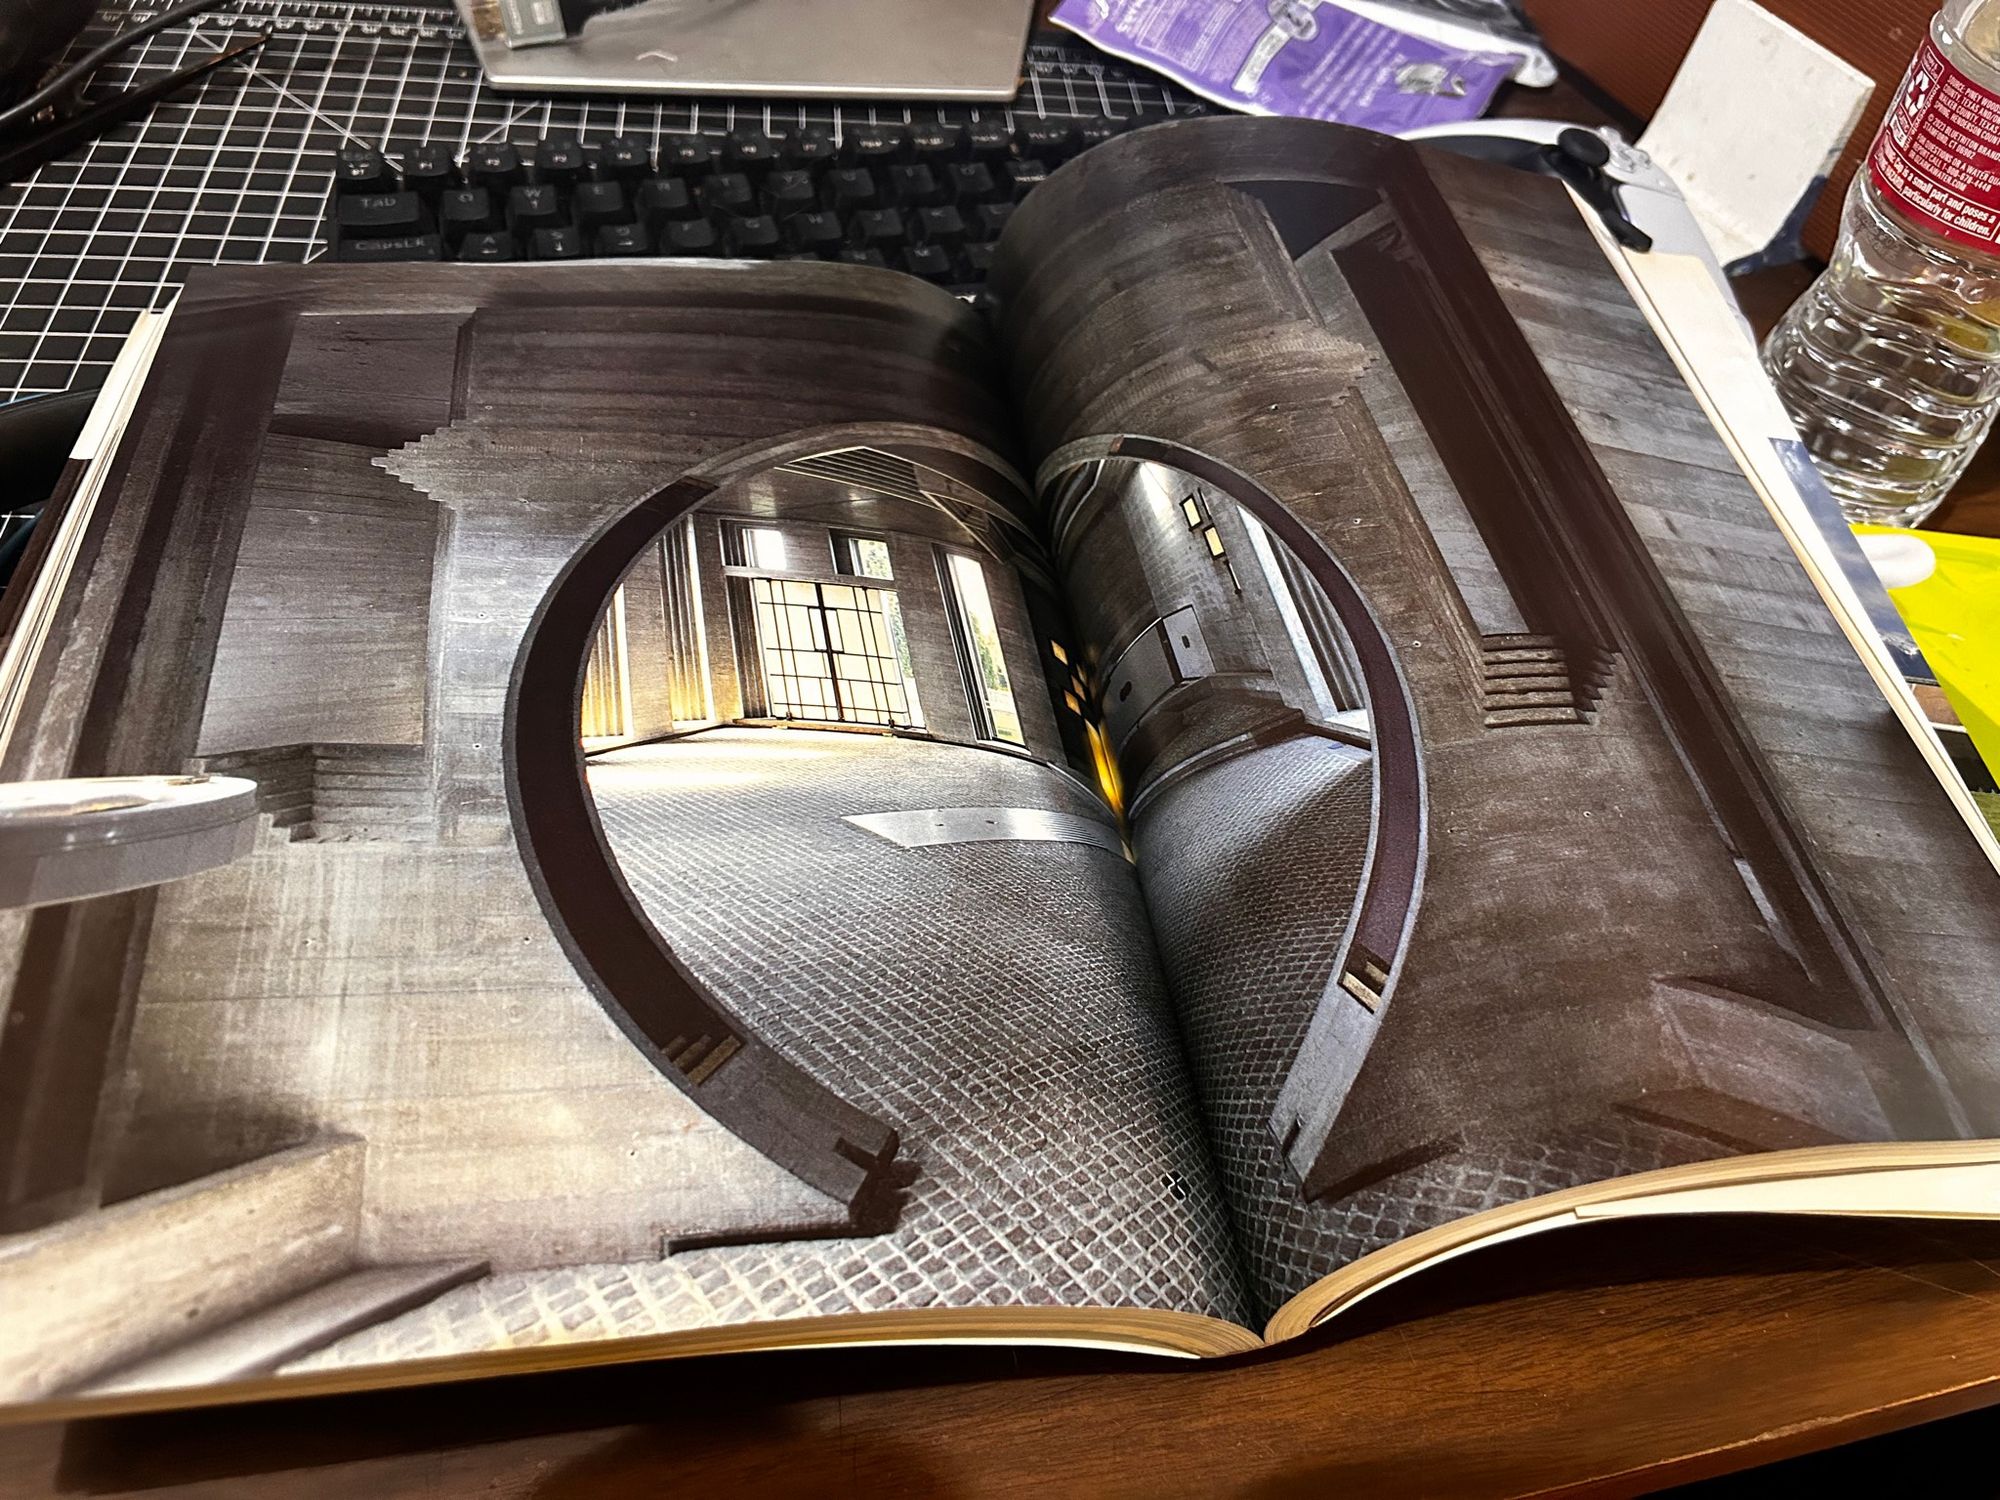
(1937, 156)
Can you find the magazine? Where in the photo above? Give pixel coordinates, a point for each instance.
(793, 810)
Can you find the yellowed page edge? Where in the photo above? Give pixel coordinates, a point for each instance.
(1820, 1180)
(1113, 1330)
(1969, 1190)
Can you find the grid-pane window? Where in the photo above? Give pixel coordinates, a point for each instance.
(979, 645)
(830, 653)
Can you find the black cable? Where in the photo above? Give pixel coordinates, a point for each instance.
(95, 58)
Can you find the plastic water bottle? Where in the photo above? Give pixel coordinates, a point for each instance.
(1890, 363)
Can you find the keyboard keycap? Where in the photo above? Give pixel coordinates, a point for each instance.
(878, 229)
(464, 211)
(495, 168)
(662, 201)
(810, 147)
(975, 261)
(849, 189)
(914, 187)
(817, 233)
(944, 227)
(690, 237)
(595, 204)
(969, 182)
(854, 257)
(727, 194)
(988, 219)
(562, 243)
(1090, 133)
(750, 152)
(931, 145)
(1019, 178)
(1044, 140)
(686, 156)
(487, 246)
(362, 169)
(871, 146)
(788, 192)
(559, 162)
(380, 215)
(615, 241)
(625, 159)
(429, 171)
(757, 235)
(931, 262)
(402, 247)
(988, 141)
(532, 208)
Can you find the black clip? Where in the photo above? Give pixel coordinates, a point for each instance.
(1578, 158)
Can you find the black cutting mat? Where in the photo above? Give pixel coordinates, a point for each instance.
(238, 169)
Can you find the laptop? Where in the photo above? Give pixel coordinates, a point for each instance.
(847, 49)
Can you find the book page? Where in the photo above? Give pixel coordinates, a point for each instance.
(1514, 817)
(689, 897)
(1233, 702)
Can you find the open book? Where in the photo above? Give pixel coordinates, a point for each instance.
(794, 810)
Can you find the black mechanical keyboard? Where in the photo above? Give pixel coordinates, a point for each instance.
(926, 199)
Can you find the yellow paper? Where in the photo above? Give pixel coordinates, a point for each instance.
(1955, 617)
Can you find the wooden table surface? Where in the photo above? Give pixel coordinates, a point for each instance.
(1611, 1359)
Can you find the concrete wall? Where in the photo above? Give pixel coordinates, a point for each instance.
(401, 984)
(646, 647)
(941, 685)
(724, 676)
(1572, 868)
(1130, 558)
(326, 631)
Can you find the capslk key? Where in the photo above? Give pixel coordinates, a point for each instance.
(402, 247)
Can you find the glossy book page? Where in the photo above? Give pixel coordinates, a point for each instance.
(1514, 815)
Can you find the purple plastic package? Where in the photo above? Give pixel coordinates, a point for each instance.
(1294, 57)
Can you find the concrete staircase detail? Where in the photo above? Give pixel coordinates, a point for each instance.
(338, 793)
(1531, 679)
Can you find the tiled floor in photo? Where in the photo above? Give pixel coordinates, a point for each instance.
(1254, 867)
(998, 1003)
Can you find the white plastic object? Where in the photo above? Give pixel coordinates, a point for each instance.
(93, 836)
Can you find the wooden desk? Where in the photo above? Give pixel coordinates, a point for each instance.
(1617, 1358)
